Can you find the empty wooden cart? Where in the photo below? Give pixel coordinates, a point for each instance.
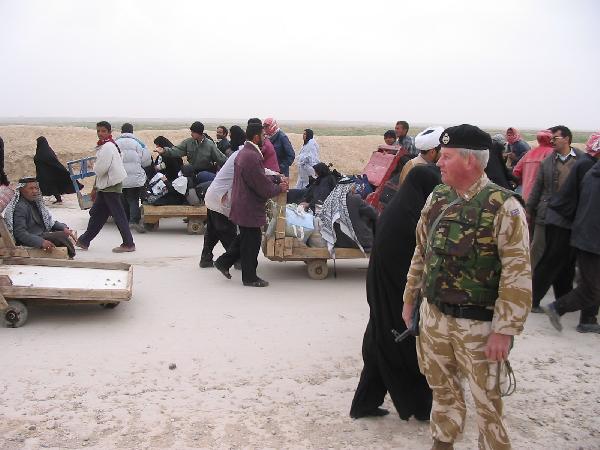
(24, 281)
(196, 216)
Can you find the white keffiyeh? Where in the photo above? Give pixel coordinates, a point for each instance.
(10, 210)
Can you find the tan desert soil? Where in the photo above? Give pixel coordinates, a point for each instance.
(347, 153)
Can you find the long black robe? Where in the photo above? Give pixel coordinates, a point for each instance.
(389, 366)
(52, 176)
(3, 177)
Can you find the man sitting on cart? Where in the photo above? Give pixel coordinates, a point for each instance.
(201, 152)
(31, 223)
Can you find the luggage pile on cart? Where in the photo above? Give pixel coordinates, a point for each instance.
(280, 247)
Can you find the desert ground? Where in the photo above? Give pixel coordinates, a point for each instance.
(253, 368)
(347, 153)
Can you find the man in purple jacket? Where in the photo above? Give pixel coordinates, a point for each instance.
(251, 190)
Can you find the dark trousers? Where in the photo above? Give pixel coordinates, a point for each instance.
(60, 239)
(204, 176)
(244, 247)
(586, 296)
(556, 267)
(218, 228)
(107, 204)
(131, 204)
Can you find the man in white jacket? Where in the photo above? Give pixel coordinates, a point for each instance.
(135, 157)
(107, 192)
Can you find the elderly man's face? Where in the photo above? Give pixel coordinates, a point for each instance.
(453, 166)
(31, 191)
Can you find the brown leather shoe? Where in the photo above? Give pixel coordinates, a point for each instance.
(440, 445)
(124, 248)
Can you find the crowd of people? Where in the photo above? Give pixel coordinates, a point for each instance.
(478, 231)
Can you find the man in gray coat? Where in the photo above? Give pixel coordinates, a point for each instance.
(553, 259)
(31, 223)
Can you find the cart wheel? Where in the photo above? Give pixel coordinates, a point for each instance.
(195, 227)
(317, 270)
(151, 226)
(16, 314)
(109, 305)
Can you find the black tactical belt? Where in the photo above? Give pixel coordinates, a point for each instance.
(466, 312)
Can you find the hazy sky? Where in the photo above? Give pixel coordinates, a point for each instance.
(491, 63)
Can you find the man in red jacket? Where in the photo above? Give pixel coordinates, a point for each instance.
(251, 190)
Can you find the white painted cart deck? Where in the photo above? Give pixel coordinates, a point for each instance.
(65, 277)
(25, 280)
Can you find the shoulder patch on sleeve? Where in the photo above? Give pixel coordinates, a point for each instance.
(514, 212)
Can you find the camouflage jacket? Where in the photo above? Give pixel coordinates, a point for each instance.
(511, 238)
(461, 262)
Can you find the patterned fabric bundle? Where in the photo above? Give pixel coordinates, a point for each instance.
(335, 210)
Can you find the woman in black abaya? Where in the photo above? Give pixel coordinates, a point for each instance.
(389, 366)
(52, 176)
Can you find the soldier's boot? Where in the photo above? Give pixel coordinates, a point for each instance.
(440, 445)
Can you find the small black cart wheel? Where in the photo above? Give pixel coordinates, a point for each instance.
(195, 226)
(317, 270)
(16, 314)
(112, 305)
(151, 226)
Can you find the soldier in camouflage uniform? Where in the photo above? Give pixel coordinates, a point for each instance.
(471, 266)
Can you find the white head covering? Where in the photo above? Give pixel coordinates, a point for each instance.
(428, 138)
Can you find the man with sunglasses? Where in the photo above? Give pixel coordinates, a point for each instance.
(556, 267)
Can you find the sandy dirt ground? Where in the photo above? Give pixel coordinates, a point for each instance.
(255, 368)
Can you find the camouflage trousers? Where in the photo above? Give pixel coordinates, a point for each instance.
(449, 351)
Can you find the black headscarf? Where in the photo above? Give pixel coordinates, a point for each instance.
(309, 135)
(53, 177)
(496, 169)
(396, 226)
(3, 178)
(395, 363)
(163, 142)
(173, 164)
(237, 137)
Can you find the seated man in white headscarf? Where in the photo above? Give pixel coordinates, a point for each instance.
(30, 222)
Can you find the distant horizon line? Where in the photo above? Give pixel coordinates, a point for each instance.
(33, 120)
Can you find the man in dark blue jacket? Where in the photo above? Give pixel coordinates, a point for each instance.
(283, 146)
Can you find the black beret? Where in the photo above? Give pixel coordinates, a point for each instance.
(466, 136)
(197, 127)
(26, 180)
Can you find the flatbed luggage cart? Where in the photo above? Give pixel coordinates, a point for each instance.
(78, 170)
(24, 281)
(284, 248)
(196, 216)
